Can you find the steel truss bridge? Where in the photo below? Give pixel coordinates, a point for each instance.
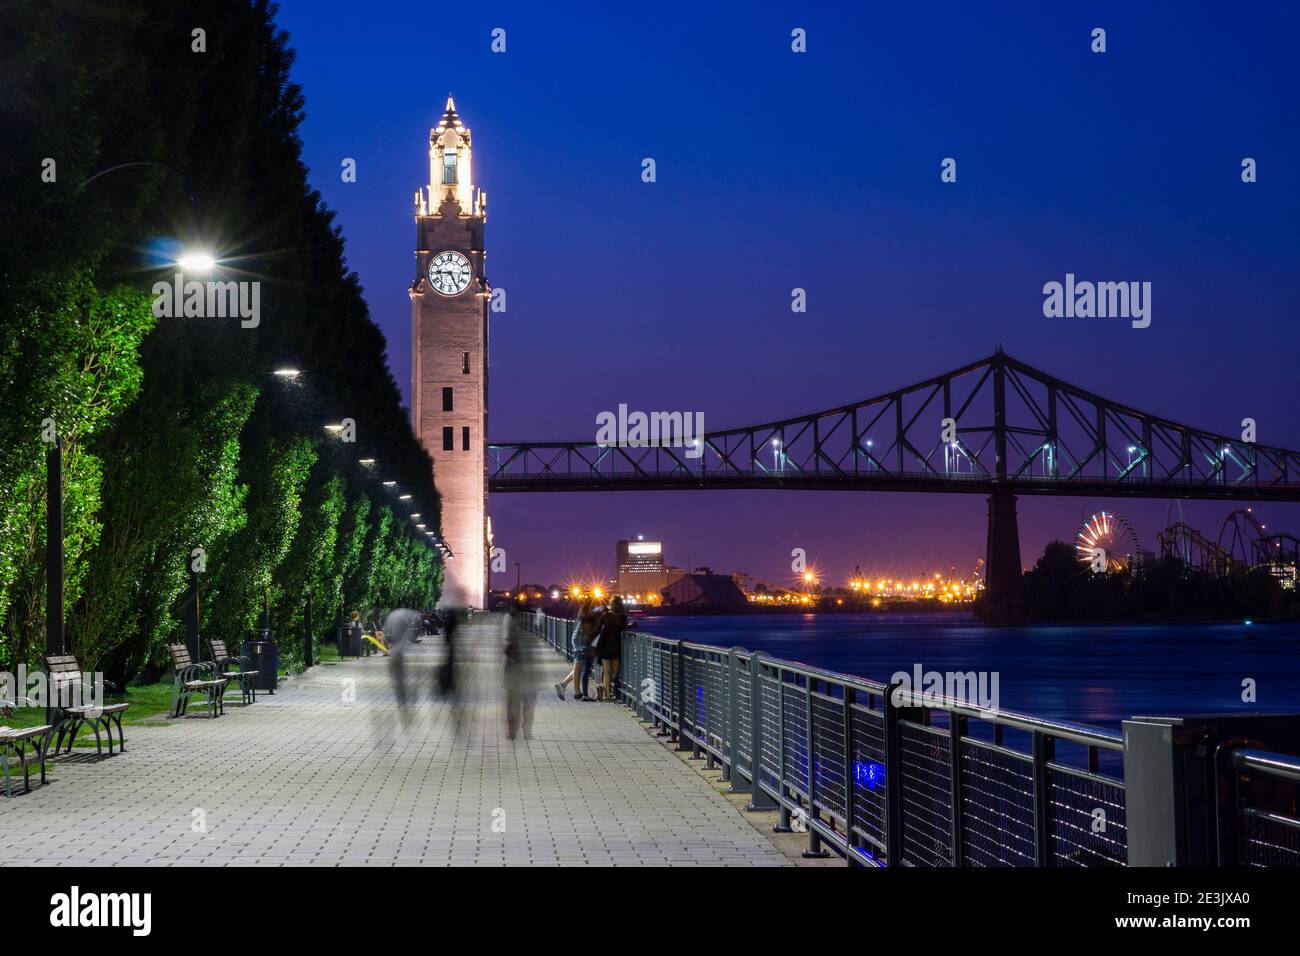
(1018, 431)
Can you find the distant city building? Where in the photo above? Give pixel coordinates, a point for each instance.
(640, 567)
(704, 590)
(674, 573)
(743, 581)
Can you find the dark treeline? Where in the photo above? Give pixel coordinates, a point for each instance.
(176, 434)
(1060, 588)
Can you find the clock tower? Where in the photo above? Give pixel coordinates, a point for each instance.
(449, 307)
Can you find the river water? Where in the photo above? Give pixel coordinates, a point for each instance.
(1095, 674)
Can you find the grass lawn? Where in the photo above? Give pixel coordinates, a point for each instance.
(147, 700)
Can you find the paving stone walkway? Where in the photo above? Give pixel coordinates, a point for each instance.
(312, 776)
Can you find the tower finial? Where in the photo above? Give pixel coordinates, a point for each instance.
(451, 104)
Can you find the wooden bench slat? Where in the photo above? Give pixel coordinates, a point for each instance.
(10, 735)
(106, 709)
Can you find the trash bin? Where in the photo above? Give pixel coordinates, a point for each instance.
(264, 656)
(349, 640)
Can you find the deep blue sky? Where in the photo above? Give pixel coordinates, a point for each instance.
(821, 170)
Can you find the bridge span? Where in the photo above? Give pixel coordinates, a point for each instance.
(997, 427)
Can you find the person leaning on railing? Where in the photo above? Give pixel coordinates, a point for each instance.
(610, 647)
(584, 633)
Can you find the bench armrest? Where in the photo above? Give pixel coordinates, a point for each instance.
(205, 670)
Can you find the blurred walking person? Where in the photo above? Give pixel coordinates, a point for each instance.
(400, 630)
(520, 681)
(447, 677)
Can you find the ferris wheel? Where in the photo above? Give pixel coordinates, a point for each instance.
(1106, 542)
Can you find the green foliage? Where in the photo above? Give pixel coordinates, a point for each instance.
(70, 356)
(176, 437)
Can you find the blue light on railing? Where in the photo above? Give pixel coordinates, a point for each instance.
(869, 774)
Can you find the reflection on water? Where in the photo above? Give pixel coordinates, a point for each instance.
(1097, 674)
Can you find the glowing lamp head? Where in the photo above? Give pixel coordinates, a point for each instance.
(196, 261)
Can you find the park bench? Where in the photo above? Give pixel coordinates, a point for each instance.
(195, 678)
(234, 669)
(67, 683)
(13, 746)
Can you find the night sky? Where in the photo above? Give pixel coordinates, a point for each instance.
(821, 170)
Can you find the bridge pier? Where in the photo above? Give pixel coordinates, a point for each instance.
(1004, 596)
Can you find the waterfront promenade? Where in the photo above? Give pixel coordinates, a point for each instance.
(307, 776)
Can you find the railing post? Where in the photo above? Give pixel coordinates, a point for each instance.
(663, 716)
(893, 782)
(956, 730)
(638, 678)
(814, 850)
(758, 797)
(1044, 752)
(850, 779)
(783, 824)
(679, 675)
(709, 703)
(731, 732)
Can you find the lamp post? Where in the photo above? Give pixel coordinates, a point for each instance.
(308, 657)
(192, 613)
(201, 263)
(54, 644)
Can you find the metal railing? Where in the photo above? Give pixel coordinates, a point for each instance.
(879, 774)
(1265, 824)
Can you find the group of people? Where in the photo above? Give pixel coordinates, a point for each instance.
(597, 639)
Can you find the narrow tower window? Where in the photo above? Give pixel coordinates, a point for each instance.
(464, 438)
(464, 363)
(449, 166)
(446, 398)
(448, 439)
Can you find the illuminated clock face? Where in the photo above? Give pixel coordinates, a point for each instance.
(449, 273)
